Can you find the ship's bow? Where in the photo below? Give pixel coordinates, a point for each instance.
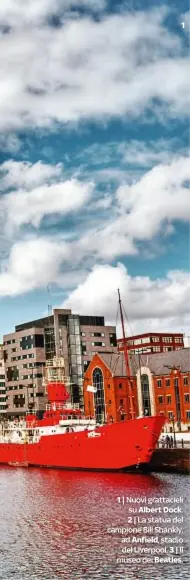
(145, 433)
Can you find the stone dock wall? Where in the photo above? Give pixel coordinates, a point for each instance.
(171, 460)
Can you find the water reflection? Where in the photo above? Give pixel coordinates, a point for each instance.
(54, 524)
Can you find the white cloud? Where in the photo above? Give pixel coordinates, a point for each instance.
(106, 242)
(17, 13)
(138, 212)
(131, 152)
(141, 211)
(160, 195)
(19, 174)
(32, 264)
(41, 192)
(85, 70)
(151, 304)
(146, 153)
(157, 304)
(30, 207)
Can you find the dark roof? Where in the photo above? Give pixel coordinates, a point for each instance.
(158, 363)
(115, 362)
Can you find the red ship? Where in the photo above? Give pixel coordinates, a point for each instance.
(66, 438)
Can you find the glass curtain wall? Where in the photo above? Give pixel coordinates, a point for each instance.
(75, 359)
(49, 337)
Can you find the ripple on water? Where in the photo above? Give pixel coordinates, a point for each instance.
(54, 524)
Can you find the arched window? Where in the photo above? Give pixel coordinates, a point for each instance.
(99, 395)
(145, 395)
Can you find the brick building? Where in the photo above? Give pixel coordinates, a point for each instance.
(152, 342)
(62, 334)
(160, 385)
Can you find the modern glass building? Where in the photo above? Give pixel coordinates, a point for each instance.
(74, 337)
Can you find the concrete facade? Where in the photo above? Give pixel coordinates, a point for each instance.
(3, 400)
(24, 361)
(63, 334)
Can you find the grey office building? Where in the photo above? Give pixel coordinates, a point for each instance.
(63, 334)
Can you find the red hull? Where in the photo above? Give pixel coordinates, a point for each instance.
(120, 446)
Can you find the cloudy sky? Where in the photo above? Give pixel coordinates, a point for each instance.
(94, 170)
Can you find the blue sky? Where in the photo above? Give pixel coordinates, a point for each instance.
(94, 169)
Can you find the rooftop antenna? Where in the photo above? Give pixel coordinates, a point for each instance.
(126, 357)
(49, 305)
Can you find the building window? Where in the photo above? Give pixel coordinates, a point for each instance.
(156, 349)
(110, 402)
(120, 385)
(98, 344)
(121, 402)
(113, 339)
(145, 395)
(97, 334)
(83, 334)
(188, 414)
(167, 382)
(170, 415)
(160, 400)
(175, 382)
(167, 339)
(86, 364)
(185, 381)
(159, 383)
(155, 339)
(109, 386)
(186, 397)
(99, 395)
(83, 348)
(169, 400)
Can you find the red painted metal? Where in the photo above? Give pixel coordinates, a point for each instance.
(119, 446)
(57, 393)
(115, 446)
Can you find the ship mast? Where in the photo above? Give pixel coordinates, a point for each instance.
(128, 374)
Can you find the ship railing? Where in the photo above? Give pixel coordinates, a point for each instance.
(81, 421)
(12, 426)
(62, 406)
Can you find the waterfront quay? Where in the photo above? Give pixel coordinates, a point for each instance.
(172, 460)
